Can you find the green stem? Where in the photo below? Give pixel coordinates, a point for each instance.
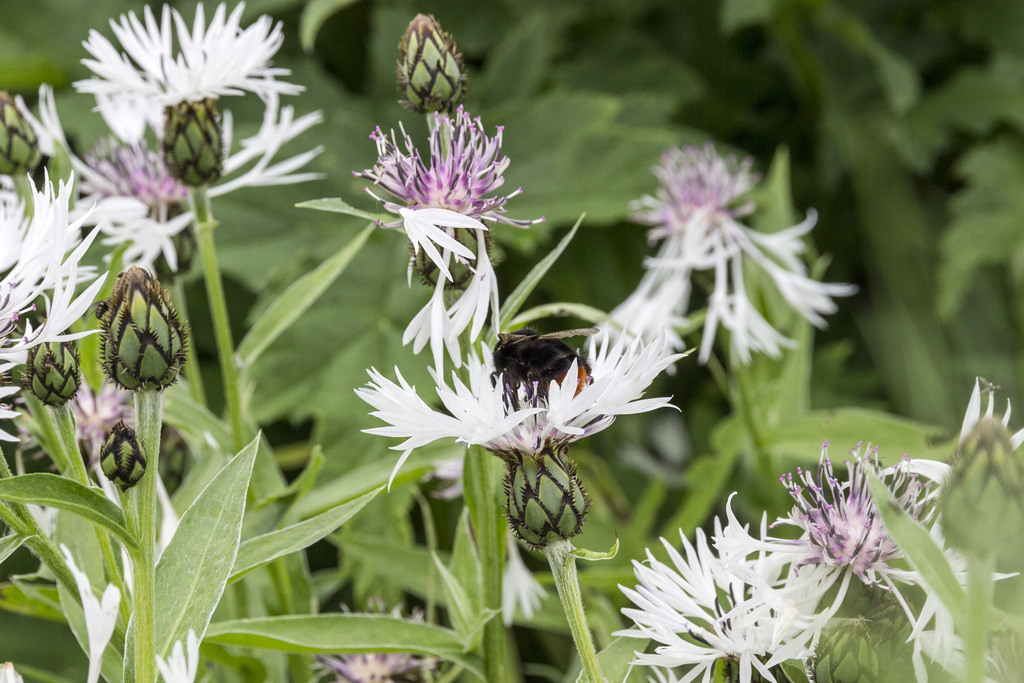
(25, 190)
(979, 605)
(430, 533)
(480, 489)
(67, 432)
(192, 370)
(205, 224)
(140, 512)
(563, 569)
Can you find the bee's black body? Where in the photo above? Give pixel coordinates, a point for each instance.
(533, 360)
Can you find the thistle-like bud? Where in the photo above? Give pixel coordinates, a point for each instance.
(19, 146)
(546, 500)
(193, 145)
(982, 501)
(867, 649)
(430, 68)
(52, 372)
(142, 342)
(121, 457)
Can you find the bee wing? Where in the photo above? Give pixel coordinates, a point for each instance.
(578, 332)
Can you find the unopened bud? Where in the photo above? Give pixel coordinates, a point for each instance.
(19, 146)
(121, 457)
(52, 372)
(142, 343)
(870, 648)
(430, 68)
(546, 500)
(982, 501)
(193, 144)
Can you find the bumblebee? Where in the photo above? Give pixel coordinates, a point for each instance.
(533, 360)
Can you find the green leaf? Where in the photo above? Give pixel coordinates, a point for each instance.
(342, 634)
(922, 551)
(794, 671)
(194, 568)
(9, 544)
(294, 301)
(338, 205)
(62, 493)
(460, 608)
(594, 555)
(263, 549)
(561, 308)
(518, 296)
(314, 14)
(616, 658)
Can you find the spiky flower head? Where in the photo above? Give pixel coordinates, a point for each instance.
(142, 345)
(19, 145)
(121, 457)
(52, 372)
(193, 143)
(868, 643)
(546, 500)
(430, 69)
(842, 528)
(982, 500)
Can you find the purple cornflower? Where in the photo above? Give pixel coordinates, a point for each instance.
(465, 165)
(442, 205)
(843, 532)
(696, 214)
(133, 170)
(696, 183)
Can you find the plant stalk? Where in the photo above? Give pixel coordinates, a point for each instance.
(140, 507)
(563, 569)
(204, 225)
(480, 489)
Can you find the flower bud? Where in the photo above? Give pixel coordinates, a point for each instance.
(52, 372)
(546, 500)
(192, 145)
(19, 146)
(121, 457)
(430, 68)
(142, 345)
(982, 501)
(866, 649)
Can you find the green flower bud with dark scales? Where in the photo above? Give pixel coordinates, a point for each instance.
(52, 372)
(430, 68)
(193, 145)
(982, 500)
(546, 500)
(871, 648)
(121, 457)
(142, 342)
(19, 146)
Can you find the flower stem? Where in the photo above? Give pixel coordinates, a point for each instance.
(563, 569)
(195, 378)
(480, 487)
(140, 513)
(979, 605)
(204, 224)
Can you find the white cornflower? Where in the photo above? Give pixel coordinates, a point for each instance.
(696, 211)
(183, 664)
(483, 414)
(44, 266)
(130, 191)
(9, 675)
(100, 615)
(708, 608)
(520, 592)
(211, 61)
